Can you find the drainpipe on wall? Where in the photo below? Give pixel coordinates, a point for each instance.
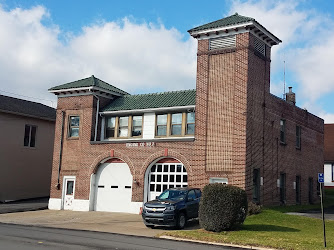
(97, 115)
(61, 148)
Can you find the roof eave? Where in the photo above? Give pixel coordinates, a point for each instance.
(247, 26)
(90, 89)
(28, 115)
(149, 110)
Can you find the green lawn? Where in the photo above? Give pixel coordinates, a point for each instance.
(273, 228)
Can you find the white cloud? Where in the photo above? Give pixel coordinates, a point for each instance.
(131, 56)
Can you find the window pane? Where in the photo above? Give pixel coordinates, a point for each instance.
(26, 135)
(176, 129)
(123, 132)
(164, 187)
(136, 131)
(159, 178)
(33, 136)
(161, 130)
(123, 121)
(191, 117)
(74, 132)
(152, 177)
(179, 168)
(151, 187)
(190, 129)
(159, 168)
(185, 178)
(171, 178)
(177, 118)
(165, 168)
(75, 121)
(172, 168)
(158, 188)
(165, 178)
(110, 132)
(178, 178)
(69, 187)
(153, 168)
(137, 120)
(161, 119)
(111, 122)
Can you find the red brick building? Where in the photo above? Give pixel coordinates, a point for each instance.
(114, 151)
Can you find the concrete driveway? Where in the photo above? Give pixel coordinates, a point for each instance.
(121, 223)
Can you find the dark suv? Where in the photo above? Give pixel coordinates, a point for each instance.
(172, 208)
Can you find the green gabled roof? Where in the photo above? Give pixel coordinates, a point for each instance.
(91, 81)
(155, 100)
(227, 21)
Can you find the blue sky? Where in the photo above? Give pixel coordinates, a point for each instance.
(143, 46)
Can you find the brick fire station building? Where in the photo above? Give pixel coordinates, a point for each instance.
(113, 151)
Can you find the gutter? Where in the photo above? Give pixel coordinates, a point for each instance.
(97, 115)
(61, 148)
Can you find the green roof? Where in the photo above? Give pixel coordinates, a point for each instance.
(155, 100)
(227, 21)
(91, 81)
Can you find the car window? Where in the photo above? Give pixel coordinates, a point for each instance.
(192, 194)
(172, 195)
(198, 193)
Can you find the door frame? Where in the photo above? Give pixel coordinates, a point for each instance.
(65, 179)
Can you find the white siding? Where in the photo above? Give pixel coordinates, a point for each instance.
(328, 175)
(149, 126)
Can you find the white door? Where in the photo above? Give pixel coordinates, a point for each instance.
(165, 175)
(69, 186)
(113, 188)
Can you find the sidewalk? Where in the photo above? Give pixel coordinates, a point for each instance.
(120, 223)
(24, 205)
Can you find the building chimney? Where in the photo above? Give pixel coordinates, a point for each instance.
(291, 97)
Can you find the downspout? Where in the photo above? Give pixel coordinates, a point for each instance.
(61, 148)
(97, 115)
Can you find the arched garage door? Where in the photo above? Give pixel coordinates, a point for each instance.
(166, 173)
(113, 187)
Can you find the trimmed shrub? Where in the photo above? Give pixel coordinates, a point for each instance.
(253, 208)
(222, 207)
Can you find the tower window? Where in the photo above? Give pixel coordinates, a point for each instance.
(260, 46)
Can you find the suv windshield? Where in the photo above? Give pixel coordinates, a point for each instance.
(173, 195)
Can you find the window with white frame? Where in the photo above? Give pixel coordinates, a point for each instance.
(74, 122)
(123, 126)
(30, 136)
(175, 124)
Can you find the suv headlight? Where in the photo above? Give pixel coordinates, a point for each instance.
(170, 208)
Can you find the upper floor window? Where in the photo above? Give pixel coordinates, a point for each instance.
(123, 127)
(282, 131)
(298, 136)
(30, 136)
(190, 128)
(137, 124)
(161, 125)
(176, 124)
(74, 126)
(110, 126)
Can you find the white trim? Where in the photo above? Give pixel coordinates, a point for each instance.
(150, 110)
(54, 204)
(85, 88)
(241, 29)
(201, 32)
(133, 139)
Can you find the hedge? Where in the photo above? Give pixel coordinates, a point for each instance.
(222, 207)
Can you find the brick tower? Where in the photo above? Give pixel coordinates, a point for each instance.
(233, 82)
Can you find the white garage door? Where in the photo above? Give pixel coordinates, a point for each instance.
(167, 173)
(113, 187)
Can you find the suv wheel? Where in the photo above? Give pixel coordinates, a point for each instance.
(181, 221)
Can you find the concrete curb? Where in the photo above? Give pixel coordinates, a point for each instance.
(216, 243)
